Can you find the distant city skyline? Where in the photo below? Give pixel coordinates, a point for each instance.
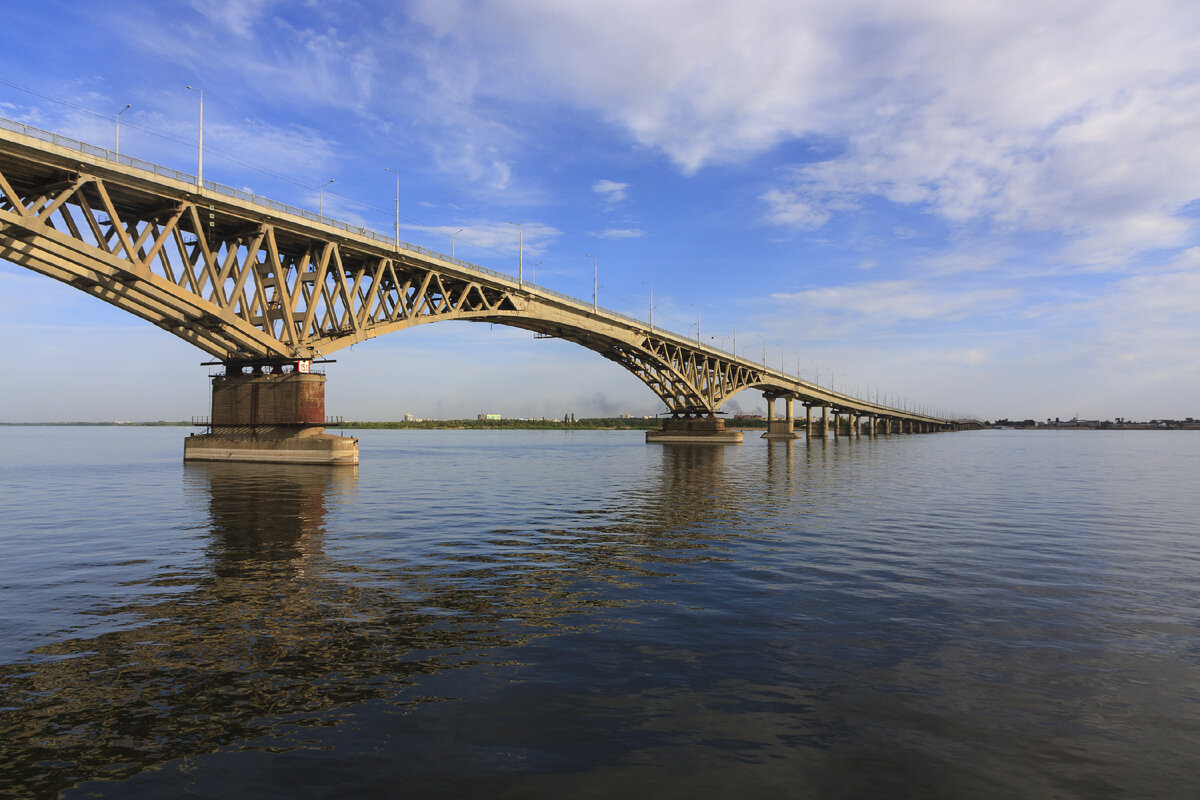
(990, 211)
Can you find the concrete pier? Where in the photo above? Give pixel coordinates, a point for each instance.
(269, 417)
(693, 429)
(782, 428)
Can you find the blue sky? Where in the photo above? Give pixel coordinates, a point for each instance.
(988, 208)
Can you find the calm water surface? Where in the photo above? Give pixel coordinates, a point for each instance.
(547, 614)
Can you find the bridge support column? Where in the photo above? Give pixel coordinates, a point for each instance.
(784, 428)
(855, 421)
(269, 417)
(693, 427)
(808, 423)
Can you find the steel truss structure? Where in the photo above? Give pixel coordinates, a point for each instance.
(250, 284)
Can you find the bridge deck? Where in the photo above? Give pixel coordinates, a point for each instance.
(249, 279)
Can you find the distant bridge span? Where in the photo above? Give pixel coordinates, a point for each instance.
(255, 282)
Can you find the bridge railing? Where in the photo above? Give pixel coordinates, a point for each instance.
(357, 230)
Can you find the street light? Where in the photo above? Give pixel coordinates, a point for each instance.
(647, 283)
(117, 149)
(520, 254)
(595, 282)
(200, 147)
(397, 228)
(693, 305)
(321, 207)
(456, 233)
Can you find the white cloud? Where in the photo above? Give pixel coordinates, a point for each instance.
(237, 16)
(971, 356)
(612, 191)
(498, 237)
(888, 302)
(620, 233)
(789, 208)
(1075, 117)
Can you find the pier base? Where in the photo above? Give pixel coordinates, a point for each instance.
(272, 446)
(780, 428)
(272, 417)
(696, 429)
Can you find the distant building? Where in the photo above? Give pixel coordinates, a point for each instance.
(489, 417)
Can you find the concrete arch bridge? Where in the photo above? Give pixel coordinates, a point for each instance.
(267, 289)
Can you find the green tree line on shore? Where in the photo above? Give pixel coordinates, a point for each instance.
(584, 423)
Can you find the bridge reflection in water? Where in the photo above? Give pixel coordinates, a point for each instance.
(276, 639)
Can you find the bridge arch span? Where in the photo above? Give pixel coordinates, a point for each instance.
(248, 280)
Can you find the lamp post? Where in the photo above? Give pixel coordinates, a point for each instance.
(693, 305)
(456, 233)
(397, 228)
(321, 207)
(647, 283)
(595, 283)
(117, 146)
(200, 146)
(520, 254)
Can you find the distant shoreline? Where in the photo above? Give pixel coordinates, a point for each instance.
(589, 424)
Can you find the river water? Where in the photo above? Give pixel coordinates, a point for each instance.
(549, 614)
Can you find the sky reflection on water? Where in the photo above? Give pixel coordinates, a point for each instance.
(544, 614)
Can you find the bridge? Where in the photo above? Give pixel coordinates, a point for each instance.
(267, 289)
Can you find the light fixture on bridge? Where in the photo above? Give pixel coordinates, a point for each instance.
(117, 145)
(693, 305)
(595, 283)
(200, 146)
(397, 224)
(456, 233)
(647, 283)
(321, 207)
(520, 254)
